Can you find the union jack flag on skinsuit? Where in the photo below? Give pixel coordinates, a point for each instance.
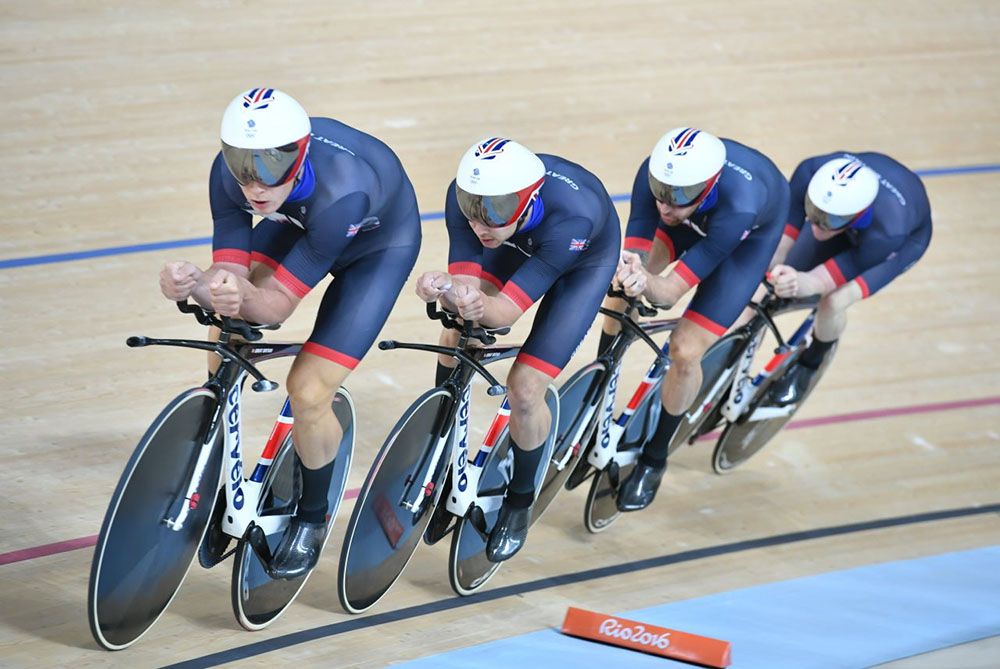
(491, 148)
(353, 229)
(258, 98)
(682, 141)
(579, 244)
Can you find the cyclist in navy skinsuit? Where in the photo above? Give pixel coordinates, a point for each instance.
(523, 228)
(718, 208)
(870, 221)
(334, 201)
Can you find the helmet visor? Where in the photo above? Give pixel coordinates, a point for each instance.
(824, 220)
(496, 211)
(271, 167)
(675, 196)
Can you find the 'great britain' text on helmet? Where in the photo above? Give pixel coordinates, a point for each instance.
(684, 166)
(265, 137)
(497, 180)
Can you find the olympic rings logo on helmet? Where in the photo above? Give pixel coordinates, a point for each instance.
(497, 181)
(265, 137)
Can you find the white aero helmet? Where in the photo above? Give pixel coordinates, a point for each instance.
(497, 180)
(265, 136)
(840, 192)
(684, 166)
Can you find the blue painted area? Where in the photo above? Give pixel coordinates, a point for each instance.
(853, 618)
(28, 261)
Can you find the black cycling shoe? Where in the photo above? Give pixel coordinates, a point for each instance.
(298, 551)
(792, 386)
(509, 533)
(639, 489)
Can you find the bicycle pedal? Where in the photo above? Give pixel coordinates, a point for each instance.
(478, 521)
(580, 473)
(441, 523)
(613, 471)
(212, 549)
(208, 557)
(258, 542)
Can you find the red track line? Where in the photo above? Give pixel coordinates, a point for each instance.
(84, 542)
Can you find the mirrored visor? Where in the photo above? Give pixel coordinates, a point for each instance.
(675, 196)
(271, 167)
(497, 211)
(823, 220)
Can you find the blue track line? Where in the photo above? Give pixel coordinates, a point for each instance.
(53, 258)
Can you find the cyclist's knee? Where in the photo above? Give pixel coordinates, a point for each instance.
(309, 395)
(260, 273)
(526, 389)
(448, 337)
(687, 348)
(839, 300)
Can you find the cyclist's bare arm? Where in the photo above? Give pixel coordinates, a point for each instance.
(263, 300)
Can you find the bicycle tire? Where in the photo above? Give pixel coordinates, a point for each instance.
(139, 563)
(257, 599)
(468, 568)
(571, 413)
(600, 509)
(741, 440)
(382, 535)
(719, 358)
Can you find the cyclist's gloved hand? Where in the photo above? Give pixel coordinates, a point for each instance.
(785, 280)
(178, 279)
(227, 297)
(431, 285)
(469, 301)
(631, 275)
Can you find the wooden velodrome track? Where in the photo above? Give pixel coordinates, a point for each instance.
(110, 120)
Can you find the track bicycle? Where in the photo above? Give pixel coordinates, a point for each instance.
(600, 445)
(735, 384)
(426, 483)
(615, 442)
(749, 418)
(184, 491)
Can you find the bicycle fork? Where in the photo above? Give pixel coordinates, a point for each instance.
(191, 499)
(419, 487)
(183, 506)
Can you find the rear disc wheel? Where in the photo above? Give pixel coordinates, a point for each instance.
(468, 568)
(258, 600)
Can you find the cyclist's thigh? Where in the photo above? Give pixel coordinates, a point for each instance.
(564, 316)
(807, 252)
(876, 278)
(358, 302)
(670, 243)
(272, 241)
(499, 265)
(721, 297)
